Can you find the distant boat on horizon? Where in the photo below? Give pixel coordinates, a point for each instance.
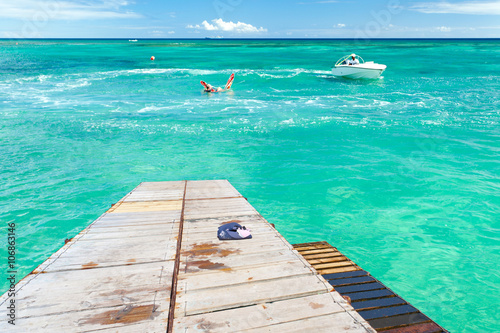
(132, 40)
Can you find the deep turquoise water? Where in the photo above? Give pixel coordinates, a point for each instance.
(402, 173)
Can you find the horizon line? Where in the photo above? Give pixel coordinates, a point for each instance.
(252, 38)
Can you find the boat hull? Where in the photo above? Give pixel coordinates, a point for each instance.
(364, 71)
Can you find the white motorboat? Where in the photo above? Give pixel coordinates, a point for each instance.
(359, 70)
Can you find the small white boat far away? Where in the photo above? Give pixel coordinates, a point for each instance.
(354, 67)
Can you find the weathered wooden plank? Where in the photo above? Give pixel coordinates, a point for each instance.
(313, 247)
(360, 287)
(136, 218)
(387, 312)
(405, 319)
(263, 258)
(60, 303)
(153, 197)
(100, 230)
(317, 251)
(326, 260)
(160, 186)
(197, 264)
(241, 219)
(153, 215)
(138, 227)
(103, 253)
(147, 317)
(152, 192)
(379, 302)
(130, 224)
(341, 275)
(333, 264)
(233, 204)
(311, 244)
(364, 295)
(262, 315)
(207, 224)
(210, 189)
(138, 231)
(232, 207)
(323, 255)
(155, 194)
(217, 275)
(146, 206)
(327, 324)
(417, 328)
(207, 300)
(231, 248)
(77, 290)
(337, 270)
(143, 326)
(351, 280)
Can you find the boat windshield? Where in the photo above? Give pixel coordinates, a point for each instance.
(343, 60)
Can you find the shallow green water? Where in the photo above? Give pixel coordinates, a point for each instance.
(401, 173)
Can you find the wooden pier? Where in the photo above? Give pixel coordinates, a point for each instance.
(381, 307)
(153, 263)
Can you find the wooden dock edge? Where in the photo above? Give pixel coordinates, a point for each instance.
(383, 309)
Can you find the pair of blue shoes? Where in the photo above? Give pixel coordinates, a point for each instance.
(233, 230)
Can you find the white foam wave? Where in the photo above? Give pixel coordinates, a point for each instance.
(63, 86)
(43, 78)
(150, 109)
(104, 75)
(272, 73)
(287, 122)
(279, 74)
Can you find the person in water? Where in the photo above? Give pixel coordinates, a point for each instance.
(210, 88)
(353, 60)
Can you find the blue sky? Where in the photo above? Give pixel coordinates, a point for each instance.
(249, 19)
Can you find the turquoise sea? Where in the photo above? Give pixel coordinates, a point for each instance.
(401, 173)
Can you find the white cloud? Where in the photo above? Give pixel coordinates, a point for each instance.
(221, 25)
(470, 7)
(36, 10)
(443, 29)
(339, 25)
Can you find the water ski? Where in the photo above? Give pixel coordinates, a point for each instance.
(230, 82)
